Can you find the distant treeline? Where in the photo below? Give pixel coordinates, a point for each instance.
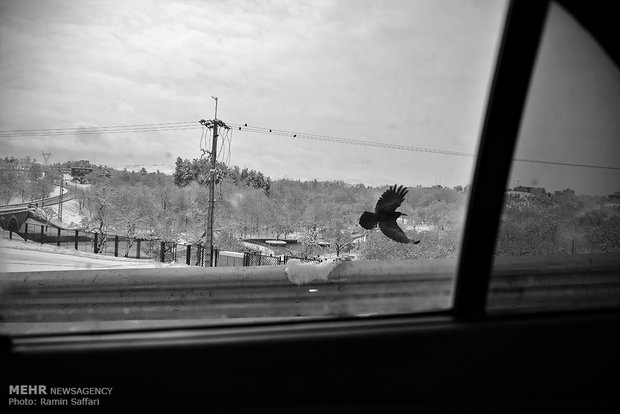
(545, 225)
(23, 184)
(250, 204)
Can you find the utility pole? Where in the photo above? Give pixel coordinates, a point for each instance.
(61, 195)
(212, 124)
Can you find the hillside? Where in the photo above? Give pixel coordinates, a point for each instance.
(249, 204)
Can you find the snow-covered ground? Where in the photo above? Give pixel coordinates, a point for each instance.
(20, 256)
(71, 214)
(18, 200)
(55, 192)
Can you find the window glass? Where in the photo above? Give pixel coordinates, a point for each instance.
(559, 242)
(108, 117)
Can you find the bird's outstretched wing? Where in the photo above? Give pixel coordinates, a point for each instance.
(391, 229)
(390, 200)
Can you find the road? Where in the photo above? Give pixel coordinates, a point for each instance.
(68, 195)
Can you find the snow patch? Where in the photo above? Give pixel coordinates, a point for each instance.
(19, 256)
(71, 215)
(302, 273)
(275, 242)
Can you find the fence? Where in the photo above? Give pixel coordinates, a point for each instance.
(123, 246)
(190, 254)
(109, 245)
(256, 259)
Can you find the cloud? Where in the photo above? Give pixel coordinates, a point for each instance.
(384, 72)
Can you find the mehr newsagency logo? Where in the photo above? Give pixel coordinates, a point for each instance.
(42, 395)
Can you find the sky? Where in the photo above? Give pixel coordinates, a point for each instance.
(412, 73)
(571, 114)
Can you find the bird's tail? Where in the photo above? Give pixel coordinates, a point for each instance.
(368, 220)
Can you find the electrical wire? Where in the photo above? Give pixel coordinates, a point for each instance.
(185, 125)
(327, 138)
(567, 164)
(202, 138)
(229, 147)
(227, 142)
(163, 126)
(219, 155)
(401, 147)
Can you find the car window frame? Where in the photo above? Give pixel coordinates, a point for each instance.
(521, 34)
(513, 71)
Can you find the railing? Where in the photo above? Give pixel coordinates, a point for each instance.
(218, 293)
(177, 295)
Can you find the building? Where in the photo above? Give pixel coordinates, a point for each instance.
(565, 193)
(79, 169)
(531, 190)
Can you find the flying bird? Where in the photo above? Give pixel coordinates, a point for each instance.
(385, 215)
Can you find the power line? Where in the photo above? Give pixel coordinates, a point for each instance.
(327, 138)
(351, 141)
(169, 126)
(567, 164)
(185, 125)
(149, 126)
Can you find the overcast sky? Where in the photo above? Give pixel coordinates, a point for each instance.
(413, 73)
